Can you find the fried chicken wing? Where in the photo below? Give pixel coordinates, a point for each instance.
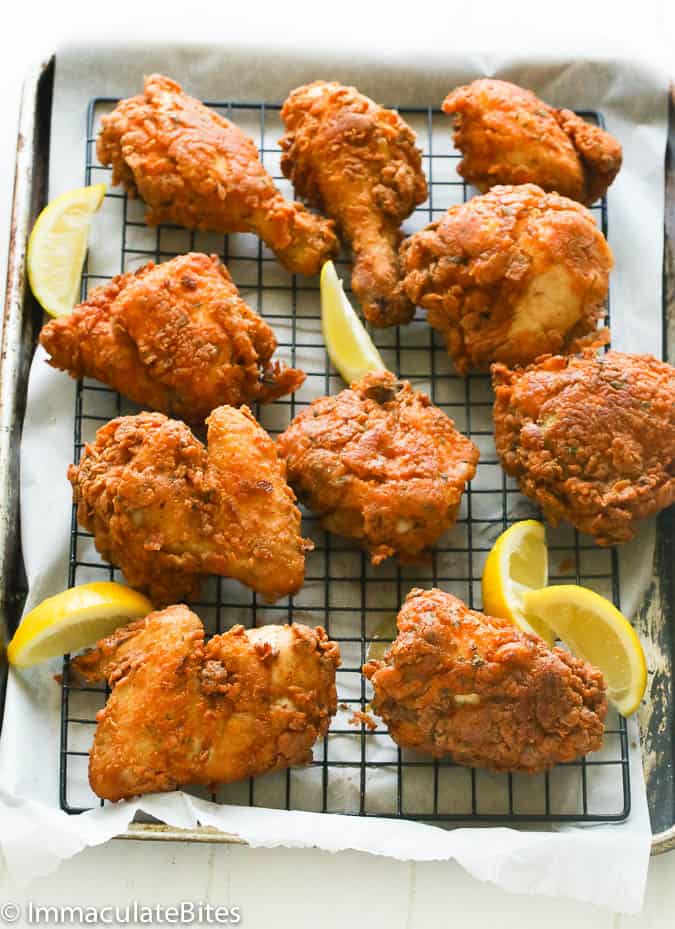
(359, 163)
(166, 510)
(185, 712)
(590, 438)
(381, 464)
(174, 337)
(510, 275)
(458, 682)
(509, 136)
(194, 168)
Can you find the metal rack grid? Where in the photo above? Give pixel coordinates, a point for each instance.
(355, 770)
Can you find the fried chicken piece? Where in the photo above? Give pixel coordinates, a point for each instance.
(194, 168)
(458, 682)
(359, 163)
(174, 337)
(380, 464)
(509, 276)
(165, 510)
(185, 712)
(509, 136)
(591, 439)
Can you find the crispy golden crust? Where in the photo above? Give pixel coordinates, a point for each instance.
(509, 136)
(461, 683)
(510, 275)
(185, 712)
(381, 464)
(174, 337)
(166, 510)
(591, 439)
(359, 163)
(195, 168)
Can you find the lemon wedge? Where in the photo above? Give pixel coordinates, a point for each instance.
(594, 629)
(517, 563)
(74, 619)
(58, 245)
(349, 346)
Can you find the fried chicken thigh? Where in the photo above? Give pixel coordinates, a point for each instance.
(183, 711)
(194, 168)
(461, 683)
(174, 337)
(359, 163)
(591, 439)
(509, 136)
(166, 510)
(380, 464)
(510, 275)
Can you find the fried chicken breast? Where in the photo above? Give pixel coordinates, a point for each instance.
(510, 275)
(475, 687)
(509, 136)
(380, 464)
(183, 711)
(590, 438)
(358, 163)
(166, 510)
(174, 337)
(194, 168)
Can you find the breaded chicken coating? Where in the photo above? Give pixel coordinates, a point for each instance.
(166, 510)
(509, 276)
(591, 439)
(174, 337)
(458, 682)
(194, 168)
(381, 464)
(509, 136)
(183, 711)
(358, 163)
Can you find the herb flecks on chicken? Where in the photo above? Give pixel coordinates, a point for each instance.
(457, 682)
(591, 439)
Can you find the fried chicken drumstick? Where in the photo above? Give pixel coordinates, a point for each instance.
(461, 683)
(166, 510)
(359, 163)
(591, 439)
(510, 275)
(183, 711)
(194, 168)
(380, 464)
(174, 337)
(509, 136)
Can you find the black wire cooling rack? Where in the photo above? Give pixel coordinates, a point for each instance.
(355, 770)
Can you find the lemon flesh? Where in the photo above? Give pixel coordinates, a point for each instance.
(74, 619)
(596, 631)
(517, 563)
(57, 248)
(349, 346)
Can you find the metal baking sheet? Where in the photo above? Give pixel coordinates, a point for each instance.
(20, 315)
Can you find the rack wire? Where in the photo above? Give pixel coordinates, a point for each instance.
(355, 770)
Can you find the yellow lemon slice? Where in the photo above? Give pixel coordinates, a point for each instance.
(594, 629)
(74, 619)
(58, 245)
(349, 346)
(517, 563)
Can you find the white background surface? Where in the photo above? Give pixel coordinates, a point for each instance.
(278, 888)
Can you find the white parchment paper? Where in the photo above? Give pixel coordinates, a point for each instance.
(602, 864)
